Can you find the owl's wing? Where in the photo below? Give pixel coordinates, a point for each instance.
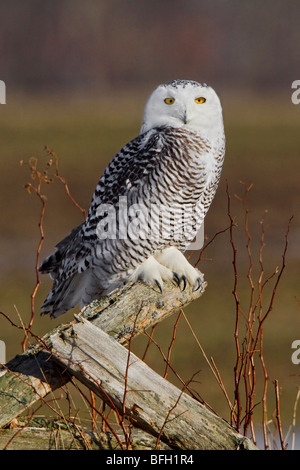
(130, 165)
(128, 168)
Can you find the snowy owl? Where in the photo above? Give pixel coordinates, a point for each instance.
(149, 203)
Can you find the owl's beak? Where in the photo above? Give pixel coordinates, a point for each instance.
(184, 118)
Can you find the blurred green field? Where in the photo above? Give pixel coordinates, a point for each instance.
(263, 148)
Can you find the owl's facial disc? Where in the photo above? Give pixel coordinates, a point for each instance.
(184, 104)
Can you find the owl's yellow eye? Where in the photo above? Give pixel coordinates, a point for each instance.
(169, 100)
(200, 100)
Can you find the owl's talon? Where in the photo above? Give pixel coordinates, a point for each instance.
(179, 279)
(152, 273)
(184, 273)
(183, 278)
(176, 278)
(198, 284)
(158, 285)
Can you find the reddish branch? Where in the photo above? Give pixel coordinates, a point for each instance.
(252, 343)
(39, 179)
(237, 409)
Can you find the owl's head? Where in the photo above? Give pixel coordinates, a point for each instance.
(185, 104)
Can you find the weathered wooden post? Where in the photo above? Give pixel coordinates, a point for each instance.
(91, 349)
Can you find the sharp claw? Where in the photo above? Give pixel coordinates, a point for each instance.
(198, 285)
(180, 279)
(177, 279)
(158, 285)
(183, 278)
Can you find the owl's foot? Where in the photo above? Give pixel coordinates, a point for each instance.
(183, 271)
(152, 273)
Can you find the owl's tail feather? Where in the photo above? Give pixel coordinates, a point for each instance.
(69, 244)
(64, 295)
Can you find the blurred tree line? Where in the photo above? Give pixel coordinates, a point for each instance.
(79, 44)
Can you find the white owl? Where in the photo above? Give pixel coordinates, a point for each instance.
(148, 205)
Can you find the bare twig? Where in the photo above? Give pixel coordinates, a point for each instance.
(252, 342)
(177, 375)
(149, 341)
(40, 178)
(167, 418)
(237, 409)
(209, 243)
(278, 419)
(54, 160)
(211, 365)
(294, 419)
(172, 343)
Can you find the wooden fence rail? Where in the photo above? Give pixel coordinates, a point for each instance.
(91, 348)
